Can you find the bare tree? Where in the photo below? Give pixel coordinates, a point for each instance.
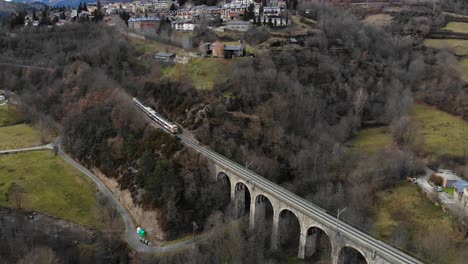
(16, 193)
(359, 102)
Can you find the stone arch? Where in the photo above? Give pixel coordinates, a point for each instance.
(263, 219)
(351, 255)
(318, 245)
(289, 232)
(223, 191)
(242, 197)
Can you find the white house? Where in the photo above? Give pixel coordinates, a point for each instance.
(185, 25)
(238, 25)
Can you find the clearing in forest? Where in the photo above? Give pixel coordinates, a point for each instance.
(43, 182)
(204, 72)
(8, 115)
(459, 27)
(441, 132)
(459, 46)
(463, 64)
(372, 140)
(18, 136)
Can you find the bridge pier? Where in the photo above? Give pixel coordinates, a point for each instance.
(253, 213)
(274, 231)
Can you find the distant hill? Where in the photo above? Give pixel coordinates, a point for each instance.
(7, 8)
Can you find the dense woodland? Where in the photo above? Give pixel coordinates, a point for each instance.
(289, 114)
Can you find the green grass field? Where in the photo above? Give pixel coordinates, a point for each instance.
(203, 72)
(151, 47)
(372, 139)
(18, 136)
(442, 133)
(8, 115)
(50, 186)
(457, 27)
(463, 64)
(460, 47)
(406, 206)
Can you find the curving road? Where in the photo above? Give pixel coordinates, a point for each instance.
(131, 237)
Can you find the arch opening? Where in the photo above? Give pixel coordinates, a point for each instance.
(242, 200)
(349, 255)
(223, 191)
(263, 220)
(318, 246)
(289, 232)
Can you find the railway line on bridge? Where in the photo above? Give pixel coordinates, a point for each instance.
(306, 206)
(378, 247)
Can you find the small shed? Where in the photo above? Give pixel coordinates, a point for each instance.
(165, 56)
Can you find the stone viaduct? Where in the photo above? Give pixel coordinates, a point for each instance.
(252, 199)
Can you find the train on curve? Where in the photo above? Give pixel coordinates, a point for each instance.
(159, 119)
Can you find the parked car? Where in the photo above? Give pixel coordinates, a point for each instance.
(439, 189)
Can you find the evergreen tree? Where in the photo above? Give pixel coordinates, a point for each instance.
(80, 8)
(85, 7)
(35, 16)
(281, 20)
(275, 22)
(264, 20)
(254, 22)
(259, 21)
(287, 18)
(270, 23)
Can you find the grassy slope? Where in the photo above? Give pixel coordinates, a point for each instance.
(203, 72)
(18, 136)
(52, 186)
(457, 27)
(442, 133)
(406, 206)
(463, 64)
(8, 115)
(151, 47)
(454, 14)
(372, 139)
(459, 46)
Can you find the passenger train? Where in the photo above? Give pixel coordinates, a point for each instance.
(159, 119)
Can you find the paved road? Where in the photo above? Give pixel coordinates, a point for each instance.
(131, 236)
(13, 151)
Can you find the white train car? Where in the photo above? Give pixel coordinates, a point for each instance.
(156, 117)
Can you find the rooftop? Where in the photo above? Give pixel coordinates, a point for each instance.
(164, 54)
(460, 186)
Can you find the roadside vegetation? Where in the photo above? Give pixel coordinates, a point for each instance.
(43, 182)
(19, 136)
(407, 218)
